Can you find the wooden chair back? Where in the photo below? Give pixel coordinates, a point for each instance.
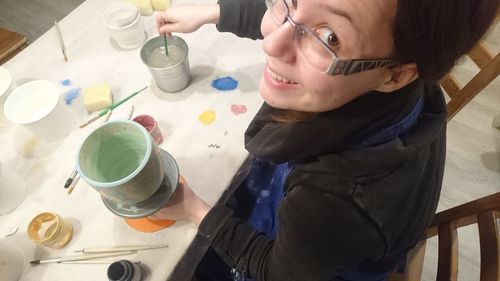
(489, 66)
(483, 212)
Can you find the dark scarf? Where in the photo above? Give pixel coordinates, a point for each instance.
(329, 132)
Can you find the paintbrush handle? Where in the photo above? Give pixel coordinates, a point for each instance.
(121, 248)
(71, 178)
(90, 121)
(95, 262)
(61, 42)
(115, 105)
(73, 184)
(82, 257)
(127, 98)
(95, 256)
(166, 44)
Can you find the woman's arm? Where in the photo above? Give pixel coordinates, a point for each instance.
(186, 18)
(241, 17)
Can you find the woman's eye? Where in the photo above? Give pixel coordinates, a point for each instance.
(328, 36)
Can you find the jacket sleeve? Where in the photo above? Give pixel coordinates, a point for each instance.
(319, 236)
(242, 17)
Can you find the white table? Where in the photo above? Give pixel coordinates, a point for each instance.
(92, 61)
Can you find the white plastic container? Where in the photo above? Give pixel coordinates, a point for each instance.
(7, 84)
(11, 261)
(124, 25)
(12, 190)
(38, 107)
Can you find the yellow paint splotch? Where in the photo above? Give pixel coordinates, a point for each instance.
(28, 148)
(207, 117)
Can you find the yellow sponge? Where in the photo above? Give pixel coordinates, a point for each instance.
(97, 98)
(160, 5)
(144, 6)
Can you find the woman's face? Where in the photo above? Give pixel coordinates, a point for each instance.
(356, 29)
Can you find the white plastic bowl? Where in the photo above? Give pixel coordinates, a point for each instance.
(37, 106)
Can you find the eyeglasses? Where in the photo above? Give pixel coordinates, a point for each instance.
(317, 52)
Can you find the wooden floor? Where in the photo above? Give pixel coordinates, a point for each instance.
(473, 163)
(32, 18)
(473, 158)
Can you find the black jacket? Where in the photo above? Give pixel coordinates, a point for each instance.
(345, 207)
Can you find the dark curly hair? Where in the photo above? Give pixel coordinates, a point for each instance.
(434, 34)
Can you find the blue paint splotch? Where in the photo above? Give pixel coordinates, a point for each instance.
(72, 94)
(66, 82)
(225, 83)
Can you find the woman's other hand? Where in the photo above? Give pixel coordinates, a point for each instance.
(186, 18)
(183, 205)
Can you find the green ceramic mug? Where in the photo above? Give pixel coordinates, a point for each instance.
(120, 161)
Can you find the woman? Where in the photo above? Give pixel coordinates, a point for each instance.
(349, 146)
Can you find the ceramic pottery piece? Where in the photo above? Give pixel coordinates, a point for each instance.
(151, 126)
(124, 25)
(120, 161)
(155, 202)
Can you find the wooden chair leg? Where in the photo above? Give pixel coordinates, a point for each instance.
(414, 264)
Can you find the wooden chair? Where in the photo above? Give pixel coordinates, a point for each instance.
(489, 66)
(484, 213)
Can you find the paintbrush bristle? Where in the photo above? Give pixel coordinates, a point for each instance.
(35, 262)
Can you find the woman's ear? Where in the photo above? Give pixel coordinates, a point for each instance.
(399, 76)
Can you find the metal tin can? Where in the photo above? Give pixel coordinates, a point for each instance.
(171, 73)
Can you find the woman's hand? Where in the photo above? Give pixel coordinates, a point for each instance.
(186, 18)
(183, 205)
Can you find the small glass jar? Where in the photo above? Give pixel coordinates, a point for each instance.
(124, 270)
(49, 229)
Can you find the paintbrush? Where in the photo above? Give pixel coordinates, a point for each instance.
(113, 106)
(95, 262)
(73, 184)
(61, 42)
(165, 41)
(82, 257)
(71, 178)
(131, 112)
(119, 248)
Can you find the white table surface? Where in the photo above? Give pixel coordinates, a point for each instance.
(93, 60)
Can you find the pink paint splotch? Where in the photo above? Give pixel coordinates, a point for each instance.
(238, 109)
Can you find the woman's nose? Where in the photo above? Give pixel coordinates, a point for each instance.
(278, 40)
